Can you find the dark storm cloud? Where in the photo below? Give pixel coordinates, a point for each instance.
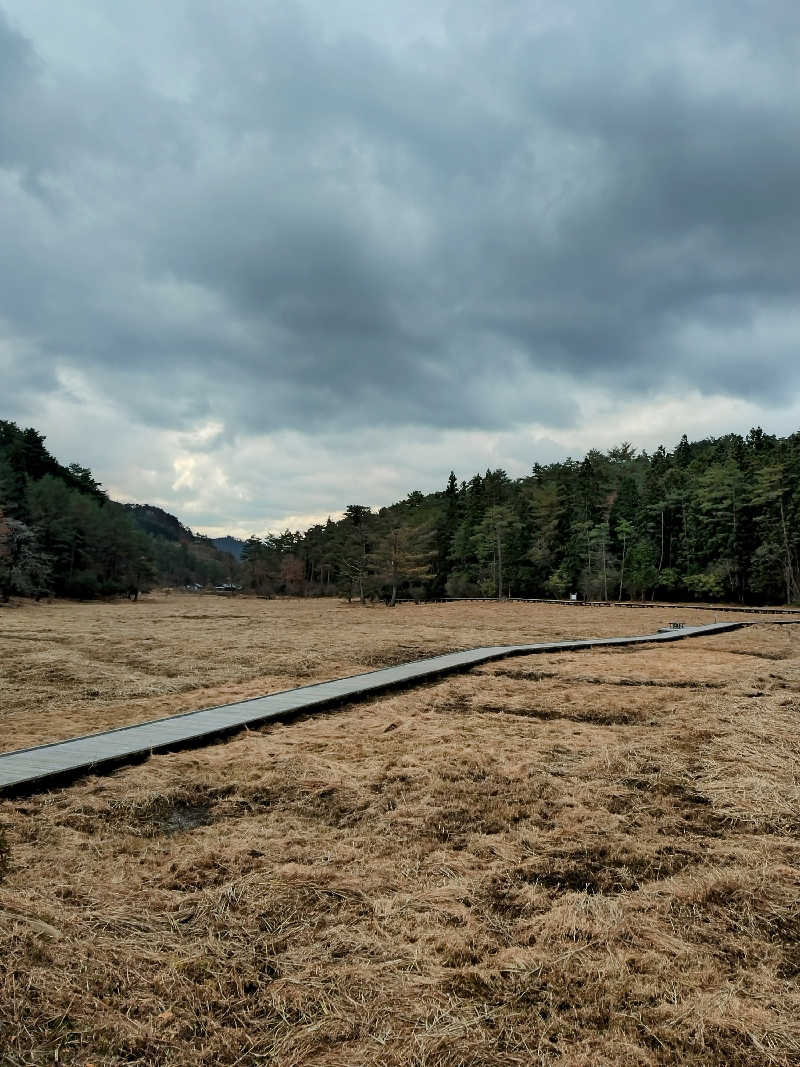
(298, 222)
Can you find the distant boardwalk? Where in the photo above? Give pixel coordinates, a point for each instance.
(30, 769)
(658, 604)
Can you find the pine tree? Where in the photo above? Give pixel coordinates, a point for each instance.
(404, 553)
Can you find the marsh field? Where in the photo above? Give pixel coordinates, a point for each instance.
(586, 858)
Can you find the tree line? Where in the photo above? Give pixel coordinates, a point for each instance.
(716, 519)
(61, 535)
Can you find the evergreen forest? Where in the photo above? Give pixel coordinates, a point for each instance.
(717, 520)
(710, 520)
(61, 535)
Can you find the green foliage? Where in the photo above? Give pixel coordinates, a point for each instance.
(24, 459)
(707, 586)
(158, 523)
(642, 576)
(712, 519)
(404, 550)
(60, 533)
(94, 547)
(558, 584)
(460, 584)
(491, 543)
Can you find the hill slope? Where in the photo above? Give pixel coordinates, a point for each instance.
(232, 545)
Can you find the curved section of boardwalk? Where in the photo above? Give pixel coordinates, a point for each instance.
(27, 770)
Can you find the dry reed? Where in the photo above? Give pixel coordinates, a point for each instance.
(587, 859)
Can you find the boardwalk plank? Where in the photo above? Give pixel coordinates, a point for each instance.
(27, 770)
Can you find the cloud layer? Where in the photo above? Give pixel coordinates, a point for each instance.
(257, 233)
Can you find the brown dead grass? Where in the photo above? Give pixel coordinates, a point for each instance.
(68, 669)
(583, 859)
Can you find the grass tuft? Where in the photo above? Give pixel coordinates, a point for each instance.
(433, 878)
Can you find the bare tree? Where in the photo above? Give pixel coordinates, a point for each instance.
(24, 568)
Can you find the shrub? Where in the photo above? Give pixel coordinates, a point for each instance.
(82, 586)
(460, 584)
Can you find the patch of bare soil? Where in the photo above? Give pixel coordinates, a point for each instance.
(436, 878)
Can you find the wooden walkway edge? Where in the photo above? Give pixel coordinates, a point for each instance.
(31, 769)
(718, 609)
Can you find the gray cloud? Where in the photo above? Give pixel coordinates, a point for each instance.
(281, 216)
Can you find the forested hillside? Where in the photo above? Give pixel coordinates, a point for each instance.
(60, 533)
(181, 557)
(232, 545)
(717, 519)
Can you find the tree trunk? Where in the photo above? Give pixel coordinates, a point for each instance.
(789, 569)
(587, 588)
(622, 568)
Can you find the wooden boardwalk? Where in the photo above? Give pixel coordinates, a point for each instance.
(718, 609)
(31, 769)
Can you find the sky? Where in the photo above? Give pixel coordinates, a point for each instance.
(259, 261)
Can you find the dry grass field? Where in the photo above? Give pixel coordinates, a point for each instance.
(68, 669)
(584, 859)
